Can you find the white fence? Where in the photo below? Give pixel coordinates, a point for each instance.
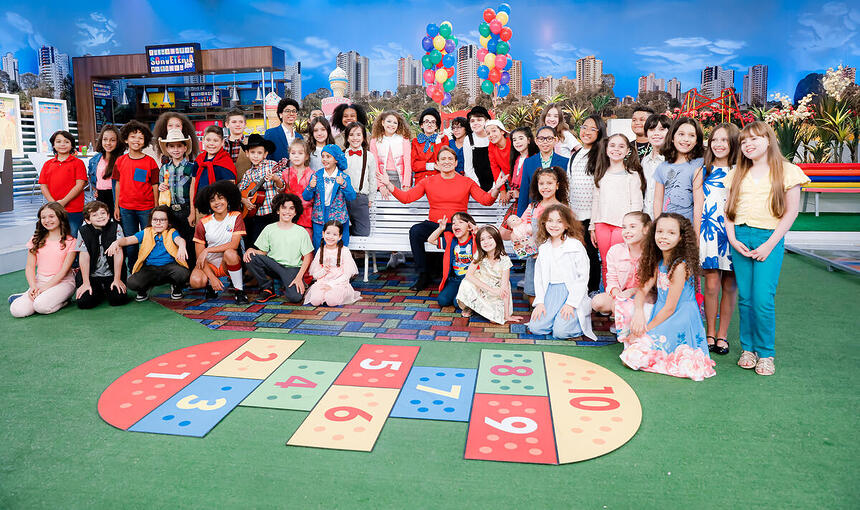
(24, 174)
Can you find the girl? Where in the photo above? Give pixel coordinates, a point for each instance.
(62, 179)
(619, 188)
(213, 164)
(713, 243)
(672, 340)
(524, 147)
(678, 180)
(622, 280)
(553, 117)
(261, 171)
(764, 197)
(320, 136)
(361, 168)
(426, 145)
(548, 188)
(296, 174)
(562, 307)
(50, 254)
(499, 150)
(476, 152)
(216, 240)
(100, 167)
(656, 127)
(459, 131)
(330, 189)
(545, 158)
(166, 122)
(486, 289)
(580, 173)
(332, 268)
(343, 116)
(460, 247)
(163, 256)
(389, 143)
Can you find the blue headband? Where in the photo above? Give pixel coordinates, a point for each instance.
(338, 155)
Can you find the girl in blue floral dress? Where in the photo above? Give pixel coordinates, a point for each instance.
(672, 340)
(714, 253)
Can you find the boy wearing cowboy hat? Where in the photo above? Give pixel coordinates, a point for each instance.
(262, 171)
(174, 179)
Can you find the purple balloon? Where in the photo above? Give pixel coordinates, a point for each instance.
(427, 43)
(449, 46)
(505, 78)
(446, 99)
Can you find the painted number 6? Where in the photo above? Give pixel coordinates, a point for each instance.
(351, 412)
(367, 364)
(527, 425)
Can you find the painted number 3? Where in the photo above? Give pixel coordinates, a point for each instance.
(509, 370)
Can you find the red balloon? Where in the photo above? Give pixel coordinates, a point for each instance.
(494, 75)
(489, 15)
(495, 26)
(482, 54)
(439, 65)
(501, 61)
(450, 71)
(429, 76)
(438, 96)
(506, 34)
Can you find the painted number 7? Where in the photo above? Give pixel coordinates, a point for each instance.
(454, 392)
(368, 364)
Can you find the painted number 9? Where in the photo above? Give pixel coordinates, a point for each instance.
(600, 403)
(509, 370)
(526, 425)
(337, 414)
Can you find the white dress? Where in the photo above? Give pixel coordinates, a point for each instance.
(714, 250)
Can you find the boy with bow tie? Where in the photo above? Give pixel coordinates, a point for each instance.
(361, 168)
(426, 145)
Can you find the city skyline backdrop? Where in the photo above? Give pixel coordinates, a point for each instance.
(548, 41)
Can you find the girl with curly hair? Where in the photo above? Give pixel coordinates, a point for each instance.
(672, 340)
(168, 121)
(50, 254)
(486, 288)
(390, 143)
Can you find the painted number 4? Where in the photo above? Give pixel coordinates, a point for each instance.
(296, 381)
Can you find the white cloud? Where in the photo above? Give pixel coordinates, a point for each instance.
(832, 29)
(383, 65)
(207, 38)
(559, 60)
(272, 8)
(11, 40)
(96, 34)
(312, 52)
(685, 57)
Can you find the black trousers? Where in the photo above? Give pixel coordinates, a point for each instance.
(418, 235)
(265, 269)
(593, 259)
(101, 291)
(150, 276)
(255, 224)
(106, 196)
(179, 220)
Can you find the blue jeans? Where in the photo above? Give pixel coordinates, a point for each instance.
(552, 323)
(757, 283)
(132, 222)
(76, 219)
(448, 294)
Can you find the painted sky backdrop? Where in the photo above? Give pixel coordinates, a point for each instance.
(670, 39)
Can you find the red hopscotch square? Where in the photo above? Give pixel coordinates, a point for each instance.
(511, 428)
(422, 316)
(379, 366)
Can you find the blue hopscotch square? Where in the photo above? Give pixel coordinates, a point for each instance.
(198, 407)
(436, 393)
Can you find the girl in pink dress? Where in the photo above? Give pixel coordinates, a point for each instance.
(332, 268)
(297, 173)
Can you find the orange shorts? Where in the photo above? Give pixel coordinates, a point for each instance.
(220, 271)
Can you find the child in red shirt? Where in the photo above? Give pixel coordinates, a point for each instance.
(62, 179)
(426, 145)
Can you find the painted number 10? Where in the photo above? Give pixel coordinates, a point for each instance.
(599, 403)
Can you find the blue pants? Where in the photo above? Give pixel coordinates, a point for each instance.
(448, 294)
(529, 278)
(757, 283)
(318, 229)
(76, 219)
(132, 222)
(552, 322)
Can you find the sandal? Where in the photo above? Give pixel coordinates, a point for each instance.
(711, 346)
(466, 313)
(721, 350)
(748, 360)
(765, 366)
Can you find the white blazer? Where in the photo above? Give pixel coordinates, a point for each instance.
(574, 263)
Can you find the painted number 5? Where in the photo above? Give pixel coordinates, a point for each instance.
(525, 425)
(368, 364)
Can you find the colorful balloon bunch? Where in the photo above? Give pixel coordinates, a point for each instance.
(440, 61)
(494, 52)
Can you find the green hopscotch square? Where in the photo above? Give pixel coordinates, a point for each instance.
(518, 373)
(298, 397)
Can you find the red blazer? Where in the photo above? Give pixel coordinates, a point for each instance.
(421, 158)
(500, 159)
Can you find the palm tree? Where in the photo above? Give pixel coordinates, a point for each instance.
(519, 115)
(410, 119)
(599, 103)
(576, 116)
(372, 113)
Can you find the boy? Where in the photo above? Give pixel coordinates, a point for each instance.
(162, 256)
(213, 164)
(640, 115)
(283, 135)
(285, 251)
(476, 152)
(136, 177)
(175, 179)
(101, 276)
(261, 171)
(235, 122)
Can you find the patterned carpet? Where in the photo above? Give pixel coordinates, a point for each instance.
(388, 309)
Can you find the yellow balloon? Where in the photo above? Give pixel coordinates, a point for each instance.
(441, 75)
(490, 60)
(502, 17)
(484, 41)
(439, 42)
(446, 23)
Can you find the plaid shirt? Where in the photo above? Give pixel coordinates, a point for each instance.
(254, 174)
(179, 180)
(233, 147)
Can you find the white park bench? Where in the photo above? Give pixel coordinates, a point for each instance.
(390, 222)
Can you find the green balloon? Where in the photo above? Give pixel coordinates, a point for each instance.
(487, 87)
(449, 84)
(502, 48)
(435, 57)
(456, 41)
(484, 29)
(427, 61)
(445, 31)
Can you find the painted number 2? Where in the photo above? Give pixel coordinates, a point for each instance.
(368, 364)
(509, 370)
(600, 403)
(525, 425)
(254, 357)
(346, 413)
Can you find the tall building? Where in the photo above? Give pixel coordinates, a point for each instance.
(409, 72)
(715, 79)
(545, 86)
(467, 70)
(849, 72)
(357, 71)
(674, 89)
(293, 73)
(516, 83)
(651, 83)
(53, 68)
(588, 73)
(755, 86)
(10, 66)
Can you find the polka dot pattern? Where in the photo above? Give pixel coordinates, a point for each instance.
(378, 366)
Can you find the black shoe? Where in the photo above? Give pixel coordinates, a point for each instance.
(421, 282)
(265, 296)
(175, 292)
(240, 297)
(711, 346)
(210, 293)
(721, 350)
(142, 296)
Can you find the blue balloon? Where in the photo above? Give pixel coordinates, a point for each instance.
(432, 30)
(503, 90)
(491, 45)
(449, 60)
(509, 63)
(504, 8)
(446, 99)
(505, 78)
(483, 72)
(450, 46)
(495, 37)
(427, 43)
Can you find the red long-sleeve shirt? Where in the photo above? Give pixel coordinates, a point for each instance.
(446, 196)
(500, 159)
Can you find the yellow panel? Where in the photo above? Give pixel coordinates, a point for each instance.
(255, 359)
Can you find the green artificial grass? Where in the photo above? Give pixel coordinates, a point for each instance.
(737, 440)
(833, 222)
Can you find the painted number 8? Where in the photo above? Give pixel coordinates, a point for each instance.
(509, 370)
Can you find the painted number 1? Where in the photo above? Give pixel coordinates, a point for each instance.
(600, 403)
